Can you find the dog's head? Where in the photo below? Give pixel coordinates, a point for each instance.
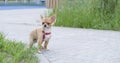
(48, 22)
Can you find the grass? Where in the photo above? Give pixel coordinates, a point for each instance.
(12, 51)
(88, 14)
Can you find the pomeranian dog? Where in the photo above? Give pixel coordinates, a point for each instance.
(43, 33)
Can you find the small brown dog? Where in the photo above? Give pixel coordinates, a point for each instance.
(43, 33)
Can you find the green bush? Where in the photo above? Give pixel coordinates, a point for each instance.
(96, 14)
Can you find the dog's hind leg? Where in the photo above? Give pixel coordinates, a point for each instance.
(31, 42)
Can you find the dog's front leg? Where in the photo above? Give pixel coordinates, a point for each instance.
(39, 45)
(46, 44)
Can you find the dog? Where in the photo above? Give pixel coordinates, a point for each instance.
(43, 33)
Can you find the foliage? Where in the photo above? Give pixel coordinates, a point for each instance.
(96, 14)
(12, 51)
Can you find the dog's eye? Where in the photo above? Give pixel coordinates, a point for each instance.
(48, 23)
(43, 23)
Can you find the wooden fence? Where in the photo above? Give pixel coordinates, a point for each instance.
(52, 3)
(57, 3)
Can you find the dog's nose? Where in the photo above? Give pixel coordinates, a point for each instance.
(45, 26)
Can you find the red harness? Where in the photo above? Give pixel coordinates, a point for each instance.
(45, 33)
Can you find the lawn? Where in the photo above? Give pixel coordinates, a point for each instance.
(12, 51)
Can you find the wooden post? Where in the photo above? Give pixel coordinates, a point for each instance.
(52, 4)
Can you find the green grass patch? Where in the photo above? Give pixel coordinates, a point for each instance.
(96, 14)
(12, 51)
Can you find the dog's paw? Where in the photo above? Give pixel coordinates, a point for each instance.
(46, 49)
(40, 52)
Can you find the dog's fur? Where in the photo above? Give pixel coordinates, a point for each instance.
(37, 34)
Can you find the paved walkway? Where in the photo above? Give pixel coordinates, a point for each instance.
(67, 45)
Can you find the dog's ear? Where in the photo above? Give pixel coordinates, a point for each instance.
(41, 17)
(53, 18)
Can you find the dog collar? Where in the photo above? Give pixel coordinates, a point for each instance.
(44, 34)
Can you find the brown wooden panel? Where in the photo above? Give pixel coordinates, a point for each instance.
(52, 3)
